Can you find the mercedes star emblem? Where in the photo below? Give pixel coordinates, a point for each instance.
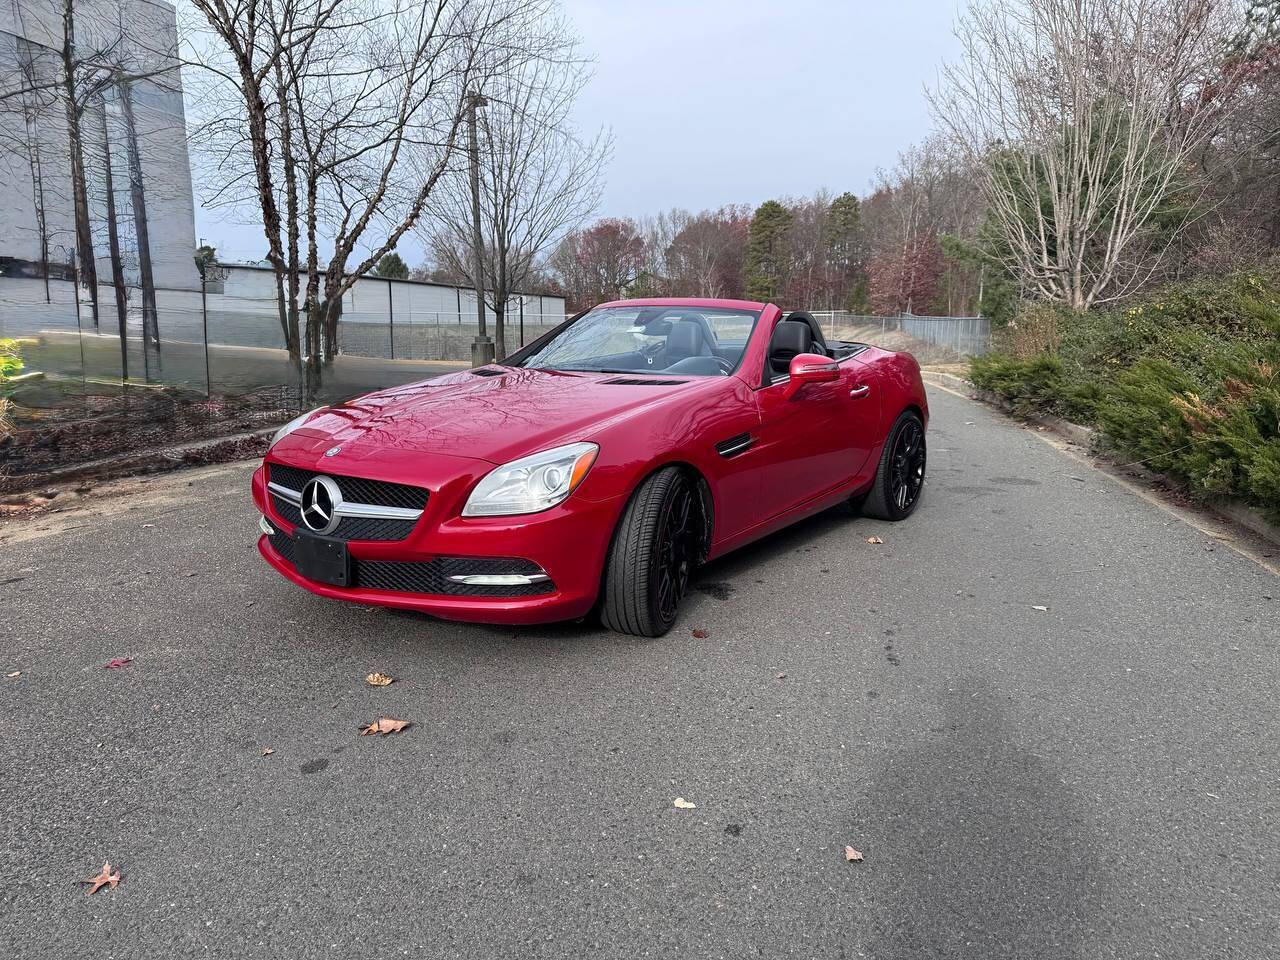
(321, 499)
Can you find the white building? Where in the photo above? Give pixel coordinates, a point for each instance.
(382, 299)
(36, 216)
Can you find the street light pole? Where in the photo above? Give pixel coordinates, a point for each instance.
(482, 347)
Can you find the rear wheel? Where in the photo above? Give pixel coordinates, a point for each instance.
(656, 546)
(900, 475)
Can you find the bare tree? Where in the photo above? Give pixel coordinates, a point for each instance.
(701, 257)
(538, 177)
(109, 51)
(1083, 117)
(24, 116)
(334, 122)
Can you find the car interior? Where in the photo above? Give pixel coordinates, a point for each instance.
(799, 332)
(682, 340)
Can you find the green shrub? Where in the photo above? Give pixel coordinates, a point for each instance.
(1032, 386)
(1036, 386)
(10, 364)
(1186, 382)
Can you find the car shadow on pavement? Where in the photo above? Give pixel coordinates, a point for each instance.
(976, 847)
(802, 535)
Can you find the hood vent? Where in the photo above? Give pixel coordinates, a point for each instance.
(638, 382)
(485, 372)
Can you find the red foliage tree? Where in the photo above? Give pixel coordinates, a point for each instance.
(905, 279)
(610, 255)
(705, 257)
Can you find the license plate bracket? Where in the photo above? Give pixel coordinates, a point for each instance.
(323, 559)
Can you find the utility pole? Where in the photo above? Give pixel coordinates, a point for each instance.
(482, 347)
(391, 314)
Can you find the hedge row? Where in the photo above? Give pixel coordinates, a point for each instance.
(1186, 382)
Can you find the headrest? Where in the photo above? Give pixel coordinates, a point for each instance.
(790, 337)
(685, 339)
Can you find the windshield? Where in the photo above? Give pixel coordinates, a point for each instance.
(683, 341)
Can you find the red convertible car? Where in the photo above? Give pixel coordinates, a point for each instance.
(595, 469)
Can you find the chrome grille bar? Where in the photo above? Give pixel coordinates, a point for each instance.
(368, 511)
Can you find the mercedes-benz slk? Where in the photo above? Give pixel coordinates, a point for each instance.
(595, 469)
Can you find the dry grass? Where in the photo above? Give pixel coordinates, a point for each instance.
(926, 354)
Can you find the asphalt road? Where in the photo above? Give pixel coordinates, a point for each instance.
(1098, 779)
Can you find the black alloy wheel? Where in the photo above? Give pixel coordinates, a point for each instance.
(673, 557)
(899, 482)
(908, 462)
(656, 547)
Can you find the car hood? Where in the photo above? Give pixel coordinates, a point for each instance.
(492, 418)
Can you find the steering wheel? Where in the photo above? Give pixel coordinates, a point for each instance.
(726, 367)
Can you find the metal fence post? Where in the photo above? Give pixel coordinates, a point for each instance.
(391, 313)
(204, 324)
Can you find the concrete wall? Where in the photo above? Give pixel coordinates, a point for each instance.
(379, 300)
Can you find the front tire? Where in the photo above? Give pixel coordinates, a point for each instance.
(654, 551)
(899, 482)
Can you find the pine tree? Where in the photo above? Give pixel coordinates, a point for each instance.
(392, 266)
(843, 241)
(767, 251)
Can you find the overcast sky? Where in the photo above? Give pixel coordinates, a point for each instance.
(737, 101)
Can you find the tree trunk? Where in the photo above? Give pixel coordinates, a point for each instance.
(150, 319)
(317, 313)
(113, 239)
(88, 267)
(332, 314)
(499, 331)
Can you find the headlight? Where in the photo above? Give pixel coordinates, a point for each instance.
(292, 425)
(532, 483)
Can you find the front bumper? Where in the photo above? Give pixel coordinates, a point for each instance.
(569, 543)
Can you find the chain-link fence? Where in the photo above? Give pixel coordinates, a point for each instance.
(931, 339)
(220, 365)
(240, 337)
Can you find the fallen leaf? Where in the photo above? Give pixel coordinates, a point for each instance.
(117, 662)
(268, 751)
(851, 854)
(782, 676)
(874, 540)
(1035, 606)
(682, 804)
(379, 680)
(701, 634)
(103, 879)
(16, 673)
(147, 525)
(385, 725)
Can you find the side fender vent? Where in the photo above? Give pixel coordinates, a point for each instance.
(734, 445)
(486, 372)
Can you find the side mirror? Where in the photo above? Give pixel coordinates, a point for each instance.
(810, 368)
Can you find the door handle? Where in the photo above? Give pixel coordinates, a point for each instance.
(859, 391)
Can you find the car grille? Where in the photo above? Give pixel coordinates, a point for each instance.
(354, 490)
(432, 576)
(283, 544)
